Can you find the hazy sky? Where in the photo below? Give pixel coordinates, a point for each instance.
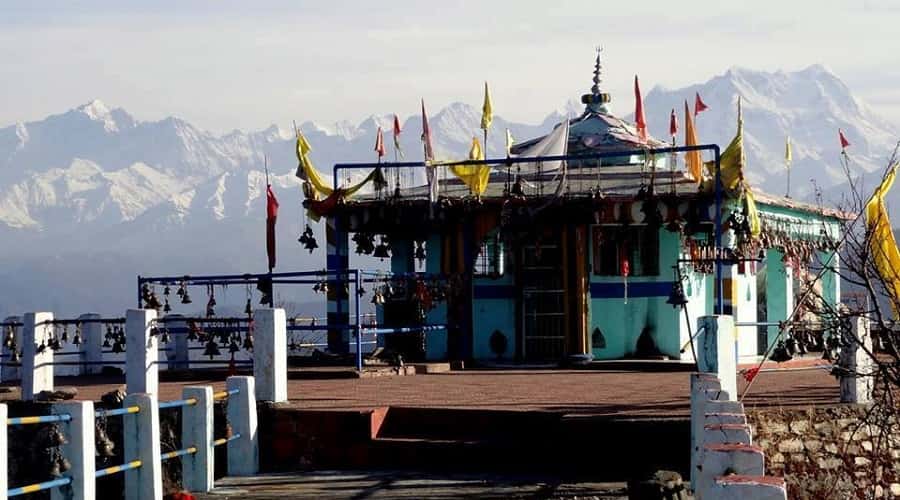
(225, 65)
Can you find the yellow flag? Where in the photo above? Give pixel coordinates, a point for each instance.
(305, 168)
(788, 157)
(731, 162)
(475, 152)
(752, 213)
(882, 242)
(693, 160)
(487, 110)
(509, 142)
(476, 177)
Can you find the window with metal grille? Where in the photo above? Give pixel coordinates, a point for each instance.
(639, 244)
(489, 262)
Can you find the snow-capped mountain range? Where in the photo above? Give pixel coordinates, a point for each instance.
(92, 197)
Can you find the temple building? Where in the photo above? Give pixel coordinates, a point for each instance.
(588, 243)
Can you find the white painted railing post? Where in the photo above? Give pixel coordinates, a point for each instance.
(141, 431)
(4, 452)
(717, 353)
(858, 383)
(197, 430)
(270, 355)
(79, 450)
(91, 344)
(178, 359)
(243, 453)
(37, 368)
(8, 373)
(141, 352)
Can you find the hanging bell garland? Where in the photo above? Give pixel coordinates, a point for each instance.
(308, 239)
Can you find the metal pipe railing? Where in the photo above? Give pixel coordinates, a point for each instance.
(190, 450)
(32, 488)
(43, 419)
(115, 469)
(220, 442)
(117, 411)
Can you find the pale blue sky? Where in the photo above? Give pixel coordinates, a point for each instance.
(225, 65)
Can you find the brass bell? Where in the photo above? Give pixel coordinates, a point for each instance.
(76, 340)
(166, 306)
(233, 347)
(65, 334)
(248, 342)
(117, 347)
(166, 291)
(164, 338)
(186, 297)
(212, 349)
(676, 295)
(381, 251)
(106, 342)
(780, 353)
(248, 309)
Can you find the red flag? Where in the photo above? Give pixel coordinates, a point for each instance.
(750, 374)
(426, 135)
(379, 143)
(699, 107)
(639, 120)
(844, 141)
(397, 131)
(271, 215)
(673, 124)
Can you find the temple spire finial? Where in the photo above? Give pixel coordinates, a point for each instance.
(597, 99)
(598, 69)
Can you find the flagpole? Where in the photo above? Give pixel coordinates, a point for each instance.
(788, 158)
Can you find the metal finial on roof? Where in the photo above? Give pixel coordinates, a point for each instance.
(598, 67)
(597, 99)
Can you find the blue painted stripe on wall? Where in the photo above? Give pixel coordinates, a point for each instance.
(635, 289)
(494, 291)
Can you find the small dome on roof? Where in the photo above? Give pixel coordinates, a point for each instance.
(596, 130)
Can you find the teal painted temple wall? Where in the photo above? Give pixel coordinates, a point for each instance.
(621, 323)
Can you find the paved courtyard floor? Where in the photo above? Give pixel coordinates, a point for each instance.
(625, 393)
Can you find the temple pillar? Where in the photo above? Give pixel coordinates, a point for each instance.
(337, 263)
(779, 291)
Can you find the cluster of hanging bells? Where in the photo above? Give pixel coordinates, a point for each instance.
(308, 239)
(365, 245)
(114, 338)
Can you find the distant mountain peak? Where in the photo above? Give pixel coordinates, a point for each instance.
(97, 111)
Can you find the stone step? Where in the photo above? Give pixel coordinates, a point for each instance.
(742, 487)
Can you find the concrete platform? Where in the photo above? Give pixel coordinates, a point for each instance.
(329, 485)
